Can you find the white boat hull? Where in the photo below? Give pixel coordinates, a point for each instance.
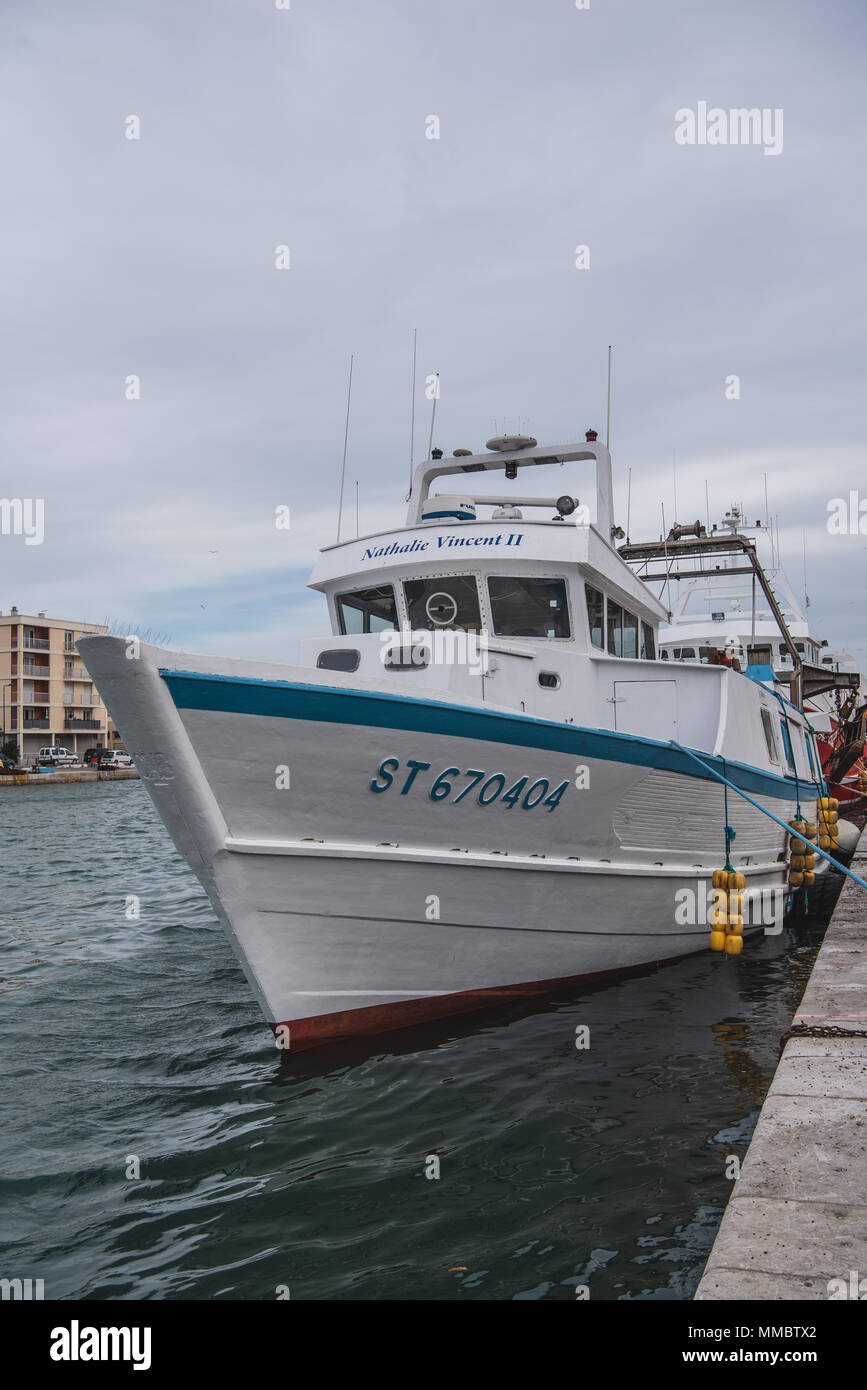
(360, 904)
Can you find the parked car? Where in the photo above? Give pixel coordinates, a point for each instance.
(55, 756)
(110, 758)
(91, 757)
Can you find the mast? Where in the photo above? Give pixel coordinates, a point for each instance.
(412, 411)
(608, 415)
(345, 444)
(433, 415)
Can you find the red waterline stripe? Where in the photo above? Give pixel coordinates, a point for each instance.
(320, 1029)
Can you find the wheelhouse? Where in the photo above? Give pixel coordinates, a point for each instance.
(523, 574)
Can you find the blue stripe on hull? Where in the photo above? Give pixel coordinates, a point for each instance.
(330, 705)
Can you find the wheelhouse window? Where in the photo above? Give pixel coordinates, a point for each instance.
(623, 629)
(443, 601)
(529, 606)
(630, 634)
(596, 616)
(648, 645)
(367, 610)
(787, 744)
(615, 628)
(809, 743)
(770, 737)
(802, 745)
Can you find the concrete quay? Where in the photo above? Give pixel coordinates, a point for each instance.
(50, 778)
(797, 1216)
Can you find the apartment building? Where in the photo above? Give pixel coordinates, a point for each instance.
(46, 694)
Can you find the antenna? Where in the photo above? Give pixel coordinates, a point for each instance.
(674, 480)
(628, 500)
(433, 414)
(666, 590)
(608, 417)
(345, 444)
(804, 541)
(412, 411)
(706, 516)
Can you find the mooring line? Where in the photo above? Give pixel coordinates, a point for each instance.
(788, 829)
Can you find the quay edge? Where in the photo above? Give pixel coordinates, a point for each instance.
(49, 779)
(796, 1219)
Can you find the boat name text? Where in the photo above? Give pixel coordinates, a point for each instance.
(514, 538)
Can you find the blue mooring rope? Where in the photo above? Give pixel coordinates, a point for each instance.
(728, 830)
(788, 829)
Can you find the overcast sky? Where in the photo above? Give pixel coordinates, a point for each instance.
(306, 127)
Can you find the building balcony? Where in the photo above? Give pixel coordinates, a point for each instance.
(30, 668)
(36, 723)
(38, 644)
(76, 725)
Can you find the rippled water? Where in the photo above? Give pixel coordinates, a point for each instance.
(260, 1169)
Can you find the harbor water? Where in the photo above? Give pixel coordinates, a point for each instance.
(155, 1145)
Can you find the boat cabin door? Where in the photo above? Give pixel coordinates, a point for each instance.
(646, 708)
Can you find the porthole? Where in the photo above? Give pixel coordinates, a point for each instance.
(549, 679)
(339, 659)
(406, 656)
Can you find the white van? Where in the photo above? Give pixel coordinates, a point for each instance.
(55, 756)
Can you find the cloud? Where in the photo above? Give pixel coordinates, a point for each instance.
(306, 127)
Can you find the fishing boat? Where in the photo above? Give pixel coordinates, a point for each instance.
(720, 609)
(482, 783)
